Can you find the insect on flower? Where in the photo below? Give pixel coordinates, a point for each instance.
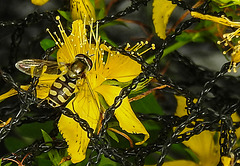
(64, 86)
(91, 75)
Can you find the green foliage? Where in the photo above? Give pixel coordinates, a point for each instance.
(66, 15)
(48, 43)
(53, 154)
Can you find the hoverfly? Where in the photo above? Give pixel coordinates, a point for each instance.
(63, 87)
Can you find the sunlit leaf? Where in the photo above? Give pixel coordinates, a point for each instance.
(53, 154)
(113, 135)
(47, 43)
(66, 15)
(162, 9)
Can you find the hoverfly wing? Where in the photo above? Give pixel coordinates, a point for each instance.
(37, 67)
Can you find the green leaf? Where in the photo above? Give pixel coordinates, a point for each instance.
(14, 143)
(147, 105)
(105, 37)
(47, 43)
(66, 15)
(113, 135)
(8, 164)
(52, 154)
(100, 9)
(101, 14)
(107, 162)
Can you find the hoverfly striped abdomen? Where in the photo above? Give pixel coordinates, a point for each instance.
(61, 90)
(64, 86)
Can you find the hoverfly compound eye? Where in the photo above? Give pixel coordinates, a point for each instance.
(86, 60)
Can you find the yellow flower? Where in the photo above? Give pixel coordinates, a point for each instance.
(39, 2)
(107, 64)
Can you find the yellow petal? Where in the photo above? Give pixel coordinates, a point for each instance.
(226, 160)
(161, 13)
(42, 92)
(181, 106)
(236, 118)
(87, 109)
(204, 147)
(44, 85)
(12, 92)
(47, 79)
(39, 2)
(124, 114)
(76, 138)
(82, 9)
(119, 66)
(180, 163)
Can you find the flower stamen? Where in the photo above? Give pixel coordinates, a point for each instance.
(138, 46)
(56, 42)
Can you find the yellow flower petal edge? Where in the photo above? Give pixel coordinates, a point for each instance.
(124, 114)
(39, 2)
(76, 138)
(12, 92)
(8, 94)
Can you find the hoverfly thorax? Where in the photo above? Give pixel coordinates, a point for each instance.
(81, 64)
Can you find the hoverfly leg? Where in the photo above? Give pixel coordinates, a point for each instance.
(40, 103)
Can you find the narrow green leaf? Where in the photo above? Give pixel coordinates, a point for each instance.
(105, 37)
(52, 154)
(101, 14)
(113, 135)
(66, 15)
(47, 43)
